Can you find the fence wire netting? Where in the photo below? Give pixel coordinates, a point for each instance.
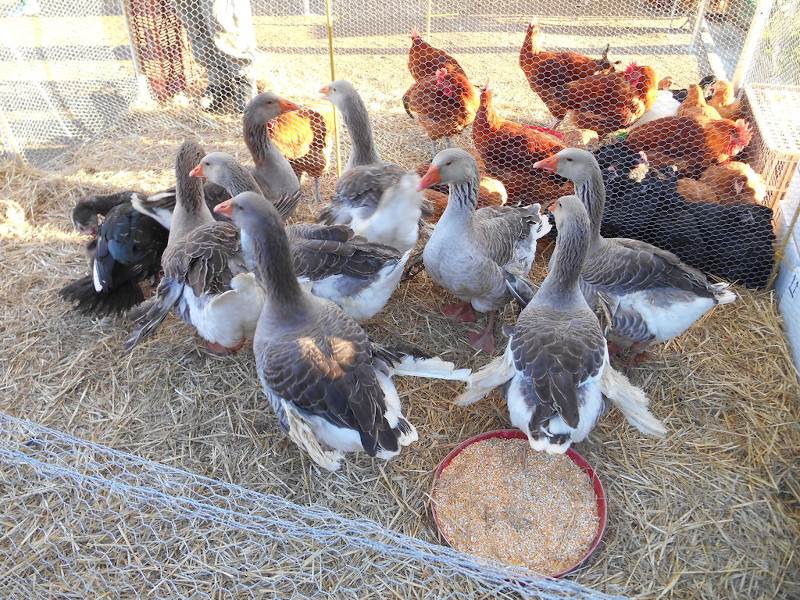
(82, 520)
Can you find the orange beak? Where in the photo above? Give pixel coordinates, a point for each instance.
(548, 164)
(197, 171)
(225, 208)
(431, 177)
(287, 105)
(324, 90)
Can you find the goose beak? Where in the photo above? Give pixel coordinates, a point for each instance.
(287, 105)
(225, 208)
(548, 164)
(325, 90)
(431, 177)
(197, 171)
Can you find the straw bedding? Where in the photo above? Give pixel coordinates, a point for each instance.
(711, 511)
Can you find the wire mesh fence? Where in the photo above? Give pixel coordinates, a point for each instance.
(102, 69)
(81, 520)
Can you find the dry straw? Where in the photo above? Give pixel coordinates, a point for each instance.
(709, 512)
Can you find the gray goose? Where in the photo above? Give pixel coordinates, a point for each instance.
(205, 276)
(273, 173)
(328, 384)
(554, 366)
(469, 249)
(329, 260)
(361, 190)
(650, 294)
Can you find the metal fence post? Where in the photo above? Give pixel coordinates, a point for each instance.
(329, 23)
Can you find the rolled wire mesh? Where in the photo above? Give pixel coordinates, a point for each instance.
(82, 520)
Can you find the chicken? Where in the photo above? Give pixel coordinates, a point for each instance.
(695, 105)
(444, 103)
(303, 137)
(508, 151)
(680, 95)
(724, 100)
(424, 60)
(692, 146)
(548, 73)
(729, 183)
(608, 102)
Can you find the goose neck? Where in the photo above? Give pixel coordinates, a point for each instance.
(592, 193)
(359, 127)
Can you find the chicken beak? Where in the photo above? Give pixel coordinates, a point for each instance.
(325, 90)
(431, 177)
(548, 164)
(197, 171)
(225, 208)
(287, 105)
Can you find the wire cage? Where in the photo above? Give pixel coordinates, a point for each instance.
(105, 87)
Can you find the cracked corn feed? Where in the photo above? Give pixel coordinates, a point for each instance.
(501, 500)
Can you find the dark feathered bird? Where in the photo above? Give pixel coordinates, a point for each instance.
(126, 250)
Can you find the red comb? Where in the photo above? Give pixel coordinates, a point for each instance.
(744, 132)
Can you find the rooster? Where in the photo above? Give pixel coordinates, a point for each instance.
(445, 103)
(548, 73)
(691, 145)
(425, 60)
(608, 102)
(302, 136)
(508, 151)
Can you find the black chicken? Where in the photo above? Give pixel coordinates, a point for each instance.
(126, 250)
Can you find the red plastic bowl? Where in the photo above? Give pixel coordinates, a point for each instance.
(574, 456)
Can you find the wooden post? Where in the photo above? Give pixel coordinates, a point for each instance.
(751, 42)
(329, 23)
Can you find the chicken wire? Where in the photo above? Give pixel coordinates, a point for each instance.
(81, 520)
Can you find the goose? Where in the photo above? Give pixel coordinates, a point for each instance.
(650, 294)
(329, 385)
(271, 171)
(470, 249)
(205, 277)
(366, 177)
(330, 261)
(125, 251)
(554, 366)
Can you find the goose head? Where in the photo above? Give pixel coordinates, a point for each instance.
(267, 106)
(453, 165)
(572, 163)
(338, 92)
(216, 167)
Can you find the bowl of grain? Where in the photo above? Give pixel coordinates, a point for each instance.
(495, 497)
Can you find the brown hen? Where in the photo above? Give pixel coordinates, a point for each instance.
(608, 102)
(548, 73)
(695, 105)
(508, 151)
(724, 100)
(424, 60)
(691, 145)
(729, 183)
(444, 103)
(302, 136)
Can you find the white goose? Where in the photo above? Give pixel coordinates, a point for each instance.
(554, 368)
(328, 384)
(469, 249)
(652, 295)
(205, 276)
(362, 198)
(331, 262)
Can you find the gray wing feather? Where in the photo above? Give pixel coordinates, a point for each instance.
(557, 353)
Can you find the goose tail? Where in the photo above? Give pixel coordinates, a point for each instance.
(632, 401)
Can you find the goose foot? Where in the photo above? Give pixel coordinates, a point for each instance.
(460, 311)
(614, 349)
(484, 339)
(221, 350)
